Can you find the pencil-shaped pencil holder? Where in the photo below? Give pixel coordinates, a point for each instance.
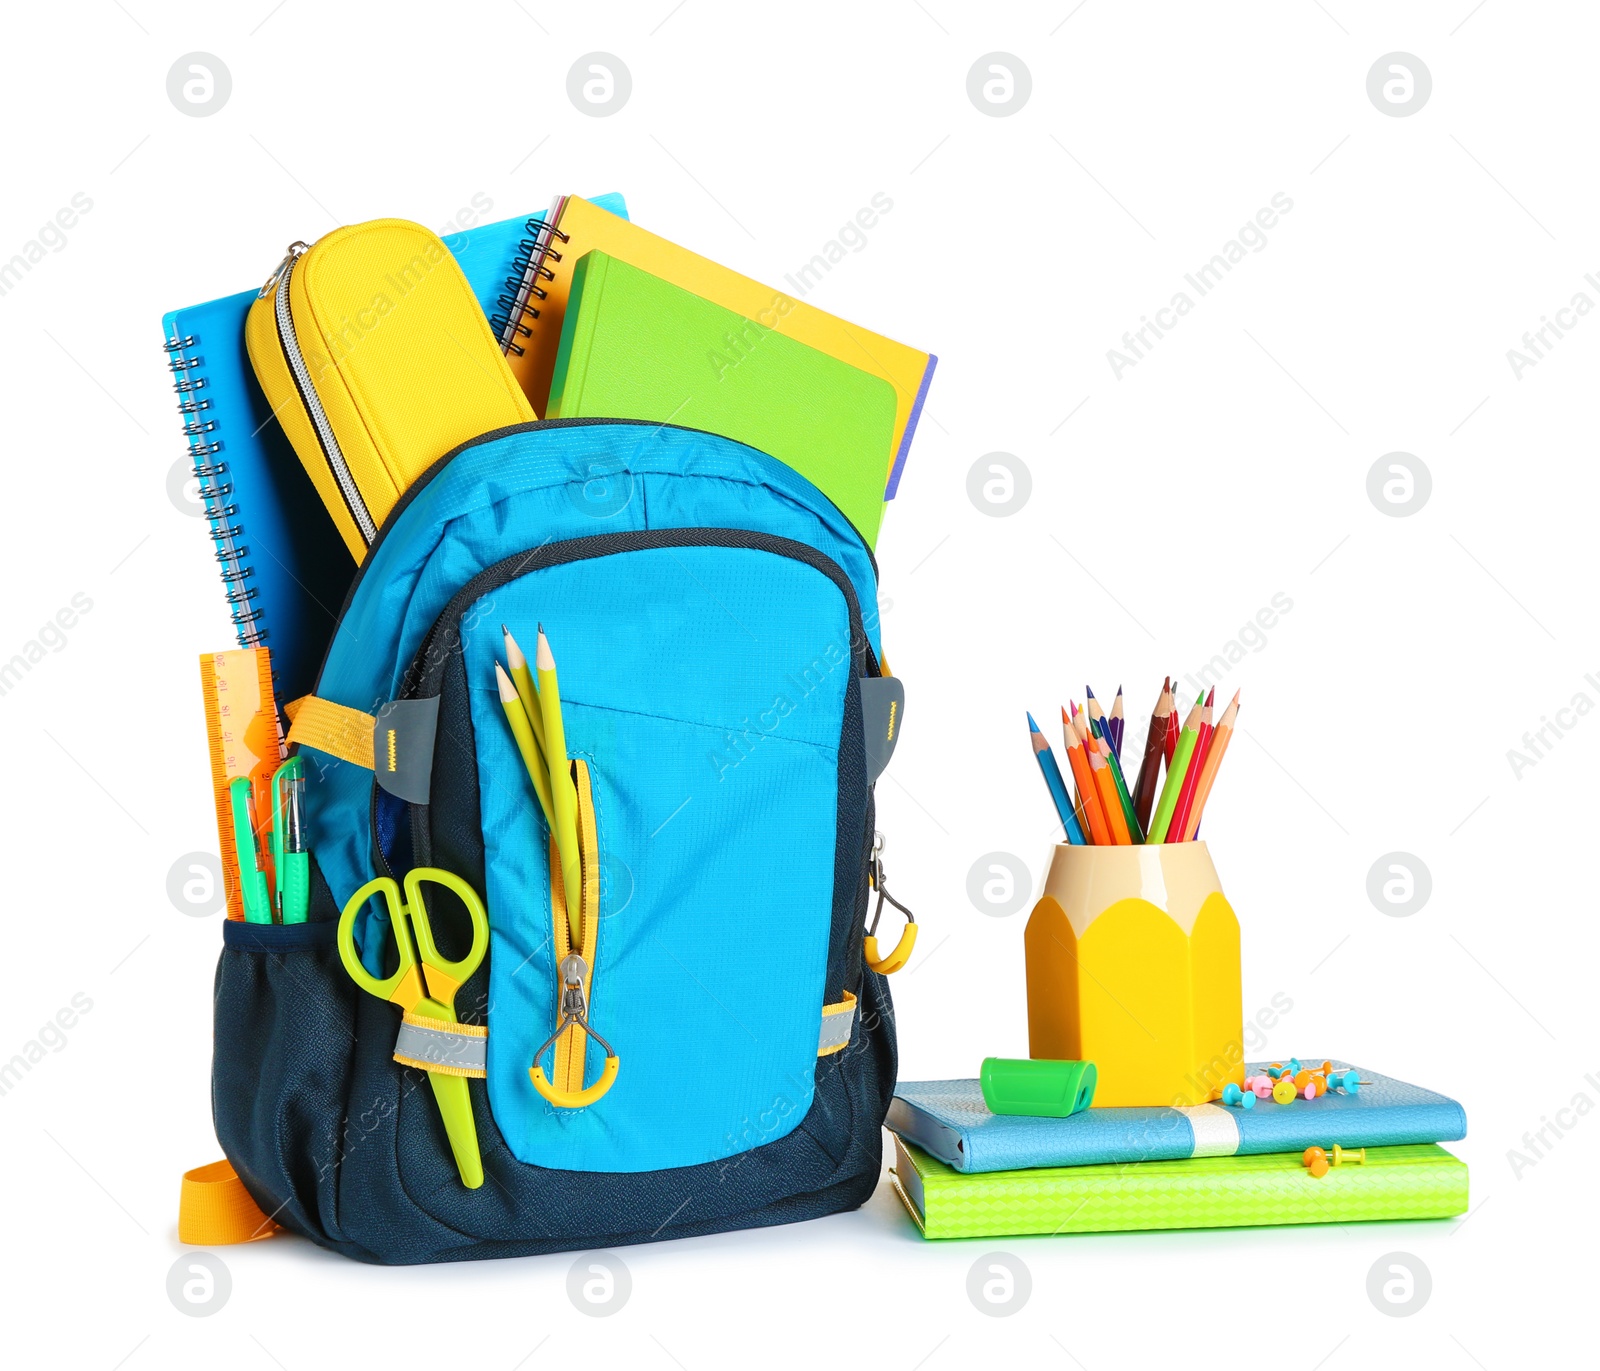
(1133, 964)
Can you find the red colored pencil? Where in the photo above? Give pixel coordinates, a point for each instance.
(1191, 778)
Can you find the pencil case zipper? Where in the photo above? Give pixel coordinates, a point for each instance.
(278, 286)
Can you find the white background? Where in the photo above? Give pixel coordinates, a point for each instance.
(1167, 507)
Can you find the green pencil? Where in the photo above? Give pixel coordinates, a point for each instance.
(1180, 764)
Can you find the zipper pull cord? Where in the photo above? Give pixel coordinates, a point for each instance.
(901, 954)
(574, 1006)
(574, 1014)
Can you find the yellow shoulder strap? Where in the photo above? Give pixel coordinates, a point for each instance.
(214, 1209)
(338, 730)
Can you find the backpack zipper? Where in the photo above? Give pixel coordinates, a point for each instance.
(278, 283)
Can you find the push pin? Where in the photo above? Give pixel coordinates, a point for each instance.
(1231, 1094)
(1283, 1092)
(1317, 1162)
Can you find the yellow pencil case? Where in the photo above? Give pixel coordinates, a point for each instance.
(376, 358)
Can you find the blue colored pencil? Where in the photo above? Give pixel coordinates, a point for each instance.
(1058, 787)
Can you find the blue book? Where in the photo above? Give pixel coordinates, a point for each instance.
(949, 1120)
(284, 568)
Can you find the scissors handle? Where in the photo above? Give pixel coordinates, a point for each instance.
(445, 977)
(404, 987)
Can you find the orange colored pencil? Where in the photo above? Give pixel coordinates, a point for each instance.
(1106, 789)
(1208, 774)
(1077, 758)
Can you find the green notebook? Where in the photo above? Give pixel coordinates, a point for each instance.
(636, 347)
(1417, 1182)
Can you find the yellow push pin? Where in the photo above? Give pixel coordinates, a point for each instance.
(1317, 1162)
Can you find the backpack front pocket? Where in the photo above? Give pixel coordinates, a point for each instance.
(705, 681)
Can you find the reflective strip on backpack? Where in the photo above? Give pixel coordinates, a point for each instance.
(452, 1049)
(838, 1022)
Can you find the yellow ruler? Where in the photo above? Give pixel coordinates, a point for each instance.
(245, 739)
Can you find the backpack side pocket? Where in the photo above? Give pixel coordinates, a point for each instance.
(284, 1015)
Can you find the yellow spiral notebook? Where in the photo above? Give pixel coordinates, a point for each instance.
(531, 332)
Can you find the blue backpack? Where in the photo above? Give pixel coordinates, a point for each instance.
(715, 618)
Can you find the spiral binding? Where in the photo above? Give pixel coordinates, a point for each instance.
(533, 252)
(184, 361)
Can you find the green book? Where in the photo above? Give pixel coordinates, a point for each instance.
(636, 347)
(1416, 1182)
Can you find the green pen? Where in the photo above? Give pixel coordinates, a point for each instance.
(291, 863)
(252, 880)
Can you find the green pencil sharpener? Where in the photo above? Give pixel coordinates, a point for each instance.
(1040, 1089)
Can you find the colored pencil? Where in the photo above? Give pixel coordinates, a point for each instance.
(1107, 791)
(1191, 778)
(1092, 708)
(522, 678)
(1182, 752)
(527, 744)
(1169, 744)
(1088, 800)
(1116, 723)
(563, 792)
(1051, 771)
(1124, 801)
(1144, 790)
(1208, 773)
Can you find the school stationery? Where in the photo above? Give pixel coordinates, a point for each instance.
(1176, 769)
(1034, 1088)
(377, 361)
(950, 1120)
(291, 863)
(1053, 780)
(563, 794)
(527, 691)
(1088, 799)
(519, 720)
(1133, 964)
(1116, 722)
(576, 227)
(1144, 791)
(1124, 800)
(1106, 792)
(284, 570)
(1191, 776)
(424, 985)
(244, 742)
(1416, 1182)
(1208, 772)
(634, 346)
(252, 879)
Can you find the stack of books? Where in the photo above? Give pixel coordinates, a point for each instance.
(962, 1172)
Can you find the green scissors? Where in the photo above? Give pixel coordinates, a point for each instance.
(425, 986)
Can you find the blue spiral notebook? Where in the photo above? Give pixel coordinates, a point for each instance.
(949, 1120)
(285, 570)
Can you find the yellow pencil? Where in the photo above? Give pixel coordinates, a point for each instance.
(527, 745)
(522, 678)
(563, 793)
